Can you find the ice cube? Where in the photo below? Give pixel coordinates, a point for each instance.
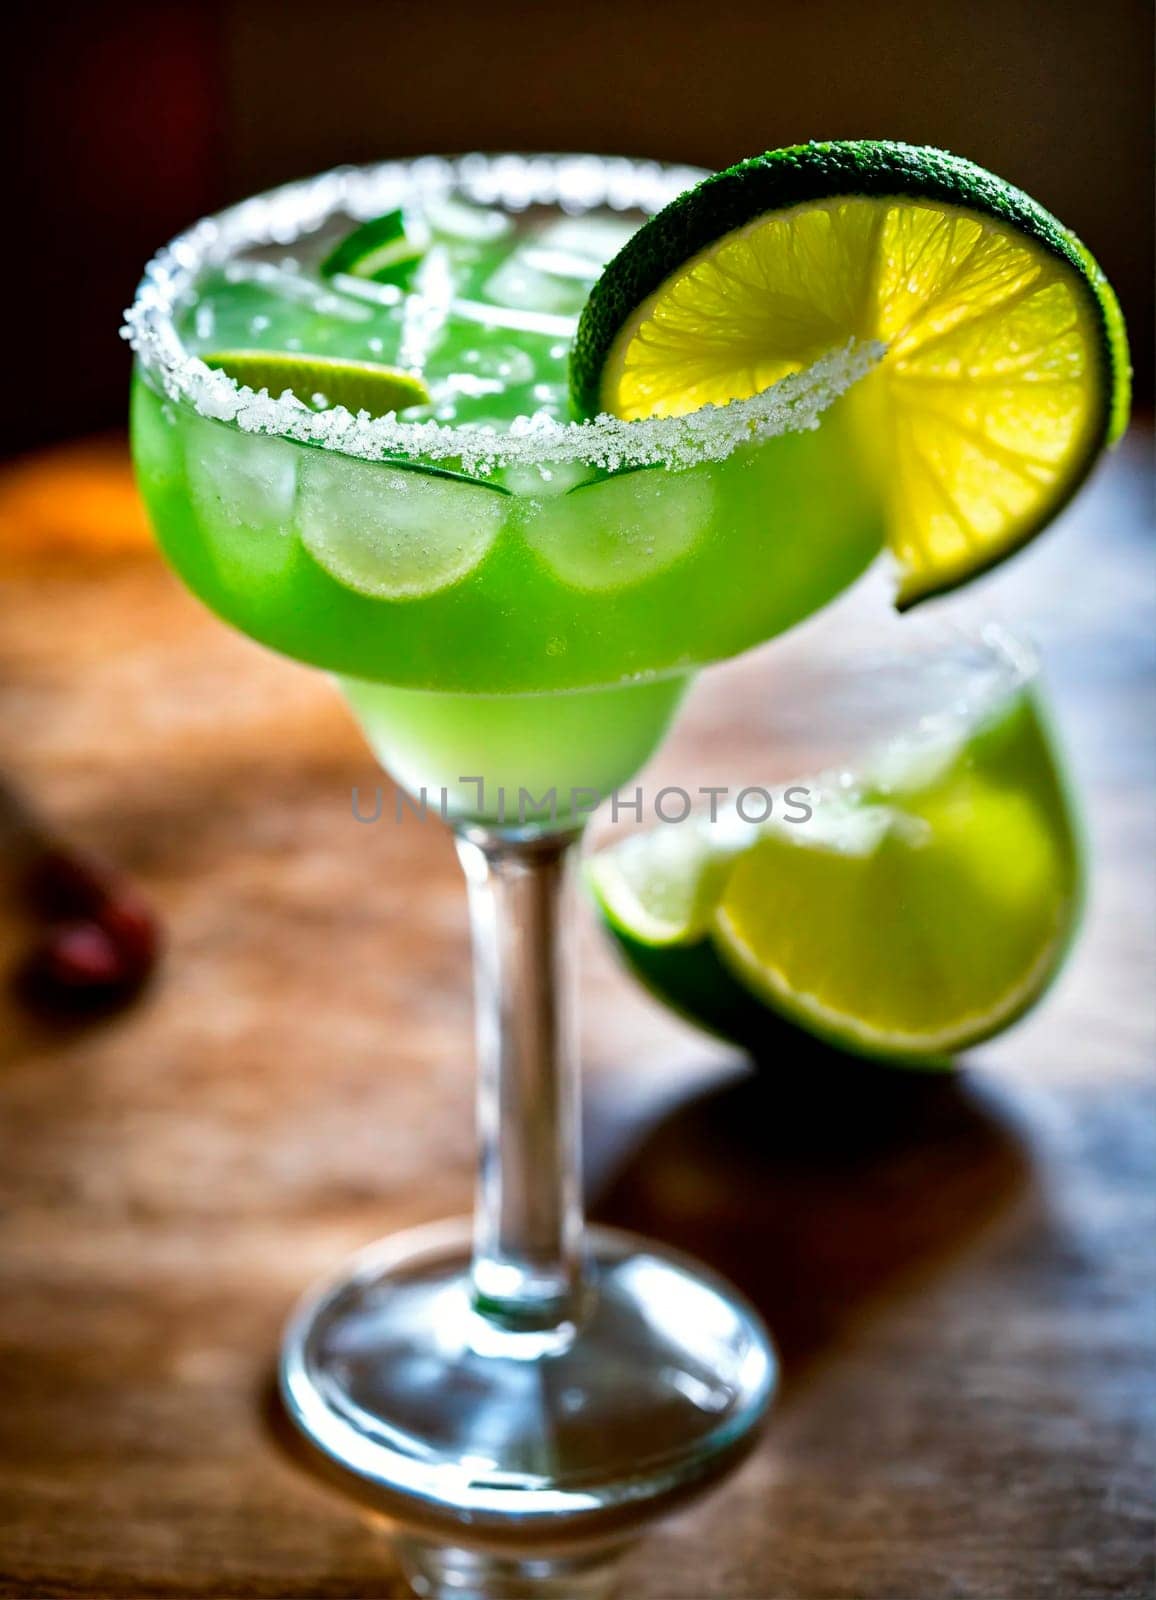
(621, 531)
(593, 240)
(457, 219)
(425, 311)
(242, 488)
(288, 284)
(552, 269)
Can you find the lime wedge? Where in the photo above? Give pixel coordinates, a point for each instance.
(908, 919)
(1006, 366)
(381, 249)
(324, 381)
(662, 888)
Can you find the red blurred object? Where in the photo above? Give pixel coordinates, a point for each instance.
(133, 931)
(99, 941)
(80, 956)
(62, 884)
(84, 967)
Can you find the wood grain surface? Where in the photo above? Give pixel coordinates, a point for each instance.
(959, 1271)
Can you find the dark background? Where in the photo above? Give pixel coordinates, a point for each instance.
(133, 119)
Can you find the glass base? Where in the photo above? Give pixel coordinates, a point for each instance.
(519, 1462)
(443, 1572)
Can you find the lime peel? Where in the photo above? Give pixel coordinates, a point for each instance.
(380, 249)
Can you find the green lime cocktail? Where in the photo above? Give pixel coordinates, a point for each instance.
(512, 446)
(504, 597)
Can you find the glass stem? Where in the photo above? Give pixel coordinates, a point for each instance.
(528, 1215)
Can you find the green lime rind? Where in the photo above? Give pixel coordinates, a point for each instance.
(602, 475)
(694, 982)
(814, 172)
(426, 469)
(697, 985)
(356, 385)
(378, 249)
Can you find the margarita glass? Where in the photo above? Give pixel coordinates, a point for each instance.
(513, 605)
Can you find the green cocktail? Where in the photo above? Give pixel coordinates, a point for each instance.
(444, 565)
(513, 603)
(513, 606)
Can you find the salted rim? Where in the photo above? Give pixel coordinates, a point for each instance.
(576, 183)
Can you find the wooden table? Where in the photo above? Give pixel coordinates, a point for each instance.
(959, 1272)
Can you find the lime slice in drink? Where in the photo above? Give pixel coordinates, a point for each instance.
(324, 381)
(1005, 370)
(382, 249)
(395, 533)
(917, 911)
